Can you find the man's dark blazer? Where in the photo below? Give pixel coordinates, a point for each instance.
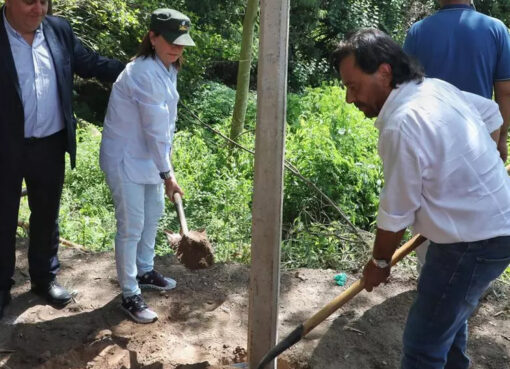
(69, 57)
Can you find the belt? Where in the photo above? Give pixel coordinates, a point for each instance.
(33, 140)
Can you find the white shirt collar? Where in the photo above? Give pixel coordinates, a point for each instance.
(160, 63)
(393, 101)
(10, 29)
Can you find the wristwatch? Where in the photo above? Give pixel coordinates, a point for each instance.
(165, 175)
(380, 263)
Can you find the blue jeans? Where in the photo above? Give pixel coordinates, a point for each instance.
(452, 280)
(138, 208)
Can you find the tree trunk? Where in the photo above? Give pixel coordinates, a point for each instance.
(243, 73)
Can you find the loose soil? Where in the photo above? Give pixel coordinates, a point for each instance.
(193, 249)
(203, 322)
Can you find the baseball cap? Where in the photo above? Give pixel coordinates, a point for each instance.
(172, 25)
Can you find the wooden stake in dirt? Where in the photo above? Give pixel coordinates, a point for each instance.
(268, 181)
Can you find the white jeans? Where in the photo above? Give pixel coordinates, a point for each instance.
(138, 208)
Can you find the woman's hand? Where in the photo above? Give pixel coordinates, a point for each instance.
(171, 187)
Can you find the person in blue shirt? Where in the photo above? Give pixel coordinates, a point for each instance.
(135, 154)
(39, 56)
(468, 49)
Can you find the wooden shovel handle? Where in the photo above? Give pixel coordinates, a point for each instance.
(180, 212)
(357, 287)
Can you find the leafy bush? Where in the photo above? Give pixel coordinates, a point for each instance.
(86, 211)
(330, 142)
(218, 189)
(334, 146)
(111, 27)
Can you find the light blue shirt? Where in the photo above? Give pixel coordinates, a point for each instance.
(38, 83)
(140, 121)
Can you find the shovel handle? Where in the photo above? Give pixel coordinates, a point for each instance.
(180, 212)
(333, 305)
(358, 286)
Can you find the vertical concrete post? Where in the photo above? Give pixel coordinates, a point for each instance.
(268, 182)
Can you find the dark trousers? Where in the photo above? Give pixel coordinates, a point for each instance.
(43, 169)
(451, 282)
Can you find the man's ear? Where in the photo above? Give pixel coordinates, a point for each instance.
(385, 72)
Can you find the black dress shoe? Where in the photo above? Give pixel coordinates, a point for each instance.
(5, 298)
(53, 292)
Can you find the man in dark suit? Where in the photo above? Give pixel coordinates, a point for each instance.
(39, 56)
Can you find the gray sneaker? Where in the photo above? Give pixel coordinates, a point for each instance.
(156, 280)
(137, 309)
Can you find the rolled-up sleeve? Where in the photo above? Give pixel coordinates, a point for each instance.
(401, 195)
(149, 94)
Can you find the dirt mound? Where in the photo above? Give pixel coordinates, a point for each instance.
(203, 322)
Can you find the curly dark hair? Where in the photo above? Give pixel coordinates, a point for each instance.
(371, 48)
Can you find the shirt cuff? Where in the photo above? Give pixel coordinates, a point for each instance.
(393, 223)
(164, 165)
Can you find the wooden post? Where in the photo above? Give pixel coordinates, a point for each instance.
(268, 182)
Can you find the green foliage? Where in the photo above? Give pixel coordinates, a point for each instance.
(329, 141)
(334, 146)
(218, 189)
(495, 8)
(110, 27)
(316, 245)
(317, 26)
(214, 103)
(86, 211)
(115, 28)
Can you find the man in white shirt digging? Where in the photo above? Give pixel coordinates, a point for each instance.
(443, 176)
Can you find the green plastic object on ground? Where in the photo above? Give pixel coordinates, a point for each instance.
(341, 279)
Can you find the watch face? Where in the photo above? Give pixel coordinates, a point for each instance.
(165, 175)
(381, 263)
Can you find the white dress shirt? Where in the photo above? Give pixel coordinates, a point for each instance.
(37, 82)
(442, 170)
(140, 121)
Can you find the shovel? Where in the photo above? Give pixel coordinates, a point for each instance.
(304, 328)
(180, 213)
(194, 249)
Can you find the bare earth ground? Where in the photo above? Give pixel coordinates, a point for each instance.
(204, 321)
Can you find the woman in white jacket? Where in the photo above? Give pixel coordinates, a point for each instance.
(135, 154)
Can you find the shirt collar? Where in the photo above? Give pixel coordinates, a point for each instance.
(393, 101)
(10, 29)
(160, 63)
(456, 6)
